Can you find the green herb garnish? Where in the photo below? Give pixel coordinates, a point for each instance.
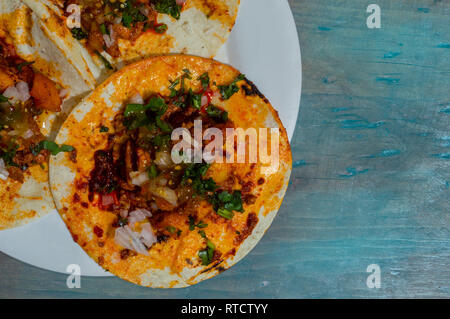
(138, 115)
(103, 29)
(207, 254)
(161, 28)
(152, 171)
(181, 99)
(21, 65)
(195, 100)
(195, 170)
(164, 126)
(52, 147)
(105, 61)
(169, 7)
(217, 114)
(8, 154)
(225, 203)
(160, 140)
(192, 223)
(78, 33)
(204, 79)
(104, 129)
(201, 186)
(3, 99)
(131, 14)
(229, 90)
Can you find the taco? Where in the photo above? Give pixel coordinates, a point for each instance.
(33, 94)
(100, 36)
(136, 203)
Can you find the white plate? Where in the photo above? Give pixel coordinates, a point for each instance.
(264, 46)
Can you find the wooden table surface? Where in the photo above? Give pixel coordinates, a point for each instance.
(371, 176)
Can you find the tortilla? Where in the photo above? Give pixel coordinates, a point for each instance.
(28, 198)
(200, 29)
(234, 204)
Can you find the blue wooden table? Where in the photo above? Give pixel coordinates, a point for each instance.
(371, 177)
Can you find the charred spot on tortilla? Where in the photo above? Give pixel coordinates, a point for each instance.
(250, 89)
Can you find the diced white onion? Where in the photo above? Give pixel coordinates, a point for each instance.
(144, 211)
(139, 178)
(138, 215)
(148, 237)
(18, 93)
(28, 134)
(132, 240)
(161, 181)
(24, 91)
(3, 172)
(109, 38)
(12, 94)
(164, 192)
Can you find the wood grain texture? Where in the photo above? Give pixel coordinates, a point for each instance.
(371, 178)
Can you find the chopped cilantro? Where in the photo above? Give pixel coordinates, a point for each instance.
(217, 114)
(105, 61)
(8, 154)
(225, 213)
(201, 186)
(78, 33)
(207, 254)
(196, 170)
(181, 99)
(160, 140)
(194, 174)
(169, 7)
(192, 223)
(52, 147)
(3, 99)
(152, 171)
(204, 79)
(229, 90)
(225, 203)
(131, 14)
(161, 28)
(164, 126)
